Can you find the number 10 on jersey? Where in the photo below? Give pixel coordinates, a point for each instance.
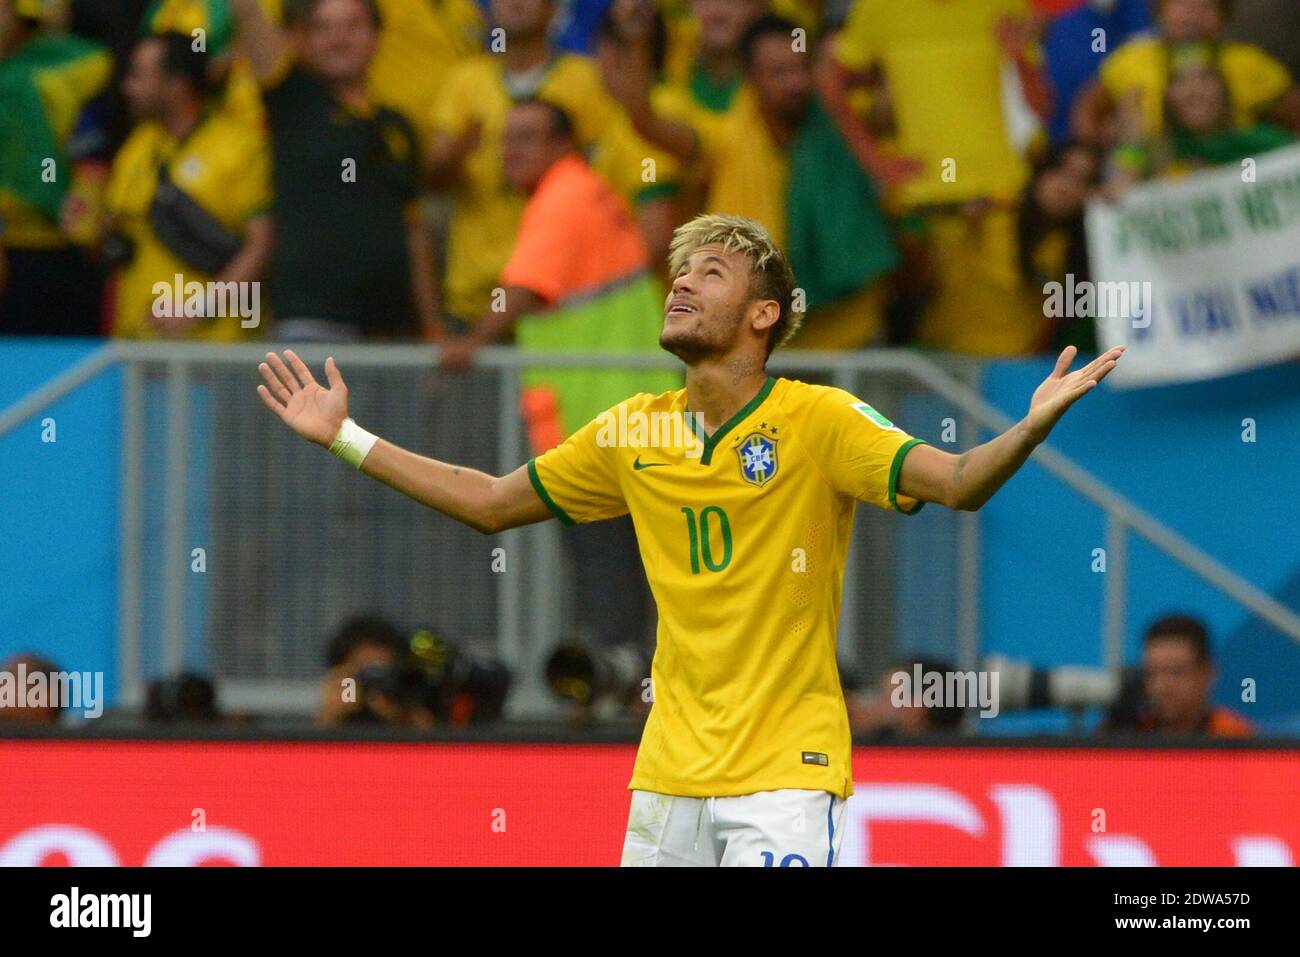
(712, 520)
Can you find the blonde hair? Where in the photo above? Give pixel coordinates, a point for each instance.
(770, 276)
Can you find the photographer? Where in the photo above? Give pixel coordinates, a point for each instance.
(380, 676)
(877, 714)
(1178, 676)
(362, 643)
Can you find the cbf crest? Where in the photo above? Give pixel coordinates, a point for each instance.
(757, 459)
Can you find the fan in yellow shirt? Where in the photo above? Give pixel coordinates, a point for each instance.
(211, 22)
(745, 156)
(419, 43)
(187, 198)
(1137, 73)
(743, 514)
(50, 185)
(703, 40)
(1255, 80)
(469, 117)
(943, 65)
(954, 170)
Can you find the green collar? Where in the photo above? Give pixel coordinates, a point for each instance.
(711, 442)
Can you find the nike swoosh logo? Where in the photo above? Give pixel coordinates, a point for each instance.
(638, 465)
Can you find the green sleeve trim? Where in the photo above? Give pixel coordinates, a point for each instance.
(895, 469)
(657, 191)
(545, 496)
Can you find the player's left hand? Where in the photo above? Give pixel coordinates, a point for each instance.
(1063, 388)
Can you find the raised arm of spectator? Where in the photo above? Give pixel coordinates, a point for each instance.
(672, 136)
(629, 79)
(836, 84)
(658, 218)
(628, 69)
(264, 42)
(1130, 159)
(492, 326)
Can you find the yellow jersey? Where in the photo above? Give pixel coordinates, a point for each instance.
(418, 47)
(747, 171)
(929, 49)
(1255, 80)
(243, 96)
(744, 536)
(225, 166)
(487, 210)
(419, 43)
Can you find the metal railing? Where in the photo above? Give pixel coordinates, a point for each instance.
(527, 613)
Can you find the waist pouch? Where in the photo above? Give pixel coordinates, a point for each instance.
(190, 232)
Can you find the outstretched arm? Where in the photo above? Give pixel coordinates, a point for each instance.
(483, 502)
(965, 482)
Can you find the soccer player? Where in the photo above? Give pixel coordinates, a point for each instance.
(746, 755)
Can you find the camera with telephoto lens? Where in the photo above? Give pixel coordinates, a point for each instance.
(435, 677)
(591, 677)
(1022, 686)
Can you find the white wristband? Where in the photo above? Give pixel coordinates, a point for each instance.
(353, 443)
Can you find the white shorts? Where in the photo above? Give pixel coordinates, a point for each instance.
(787, 828)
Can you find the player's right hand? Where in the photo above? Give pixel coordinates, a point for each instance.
(291, 392)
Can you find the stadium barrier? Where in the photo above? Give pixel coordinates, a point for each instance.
(299, 546)
(329, 802)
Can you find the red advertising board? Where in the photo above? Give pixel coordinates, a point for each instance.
(333, 803)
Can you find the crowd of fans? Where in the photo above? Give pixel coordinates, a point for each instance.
(479, 171)
(442, 169)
